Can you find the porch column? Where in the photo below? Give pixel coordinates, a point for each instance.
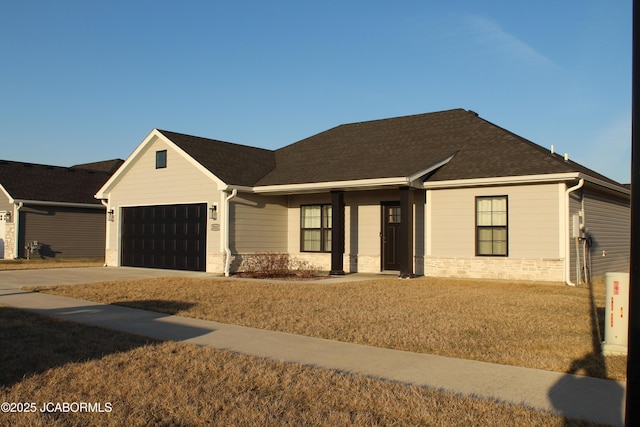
(337, 232)
(406, 232)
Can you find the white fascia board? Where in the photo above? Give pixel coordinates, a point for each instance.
(150, 138)
(332, 185)
(355, 184)
(61, 204)
(502, 180)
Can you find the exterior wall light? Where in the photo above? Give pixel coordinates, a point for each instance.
(7, 216)
(213, 212)
(111, 215)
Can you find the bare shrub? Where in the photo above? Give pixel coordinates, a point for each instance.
(277, 265)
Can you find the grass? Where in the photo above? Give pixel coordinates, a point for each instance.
(27, 264)
(149, 382)
(543, 326)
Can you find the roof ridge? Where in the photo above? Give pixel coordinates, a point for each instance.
(407, 116)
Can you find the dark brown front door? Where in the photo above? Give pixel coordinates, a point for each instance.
(391, 236)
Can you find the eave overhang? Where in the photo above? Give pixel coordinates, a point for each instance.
(524, 179)
(413, 180)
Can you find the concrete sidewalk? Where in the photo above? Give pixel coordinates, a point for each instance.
(569, 395)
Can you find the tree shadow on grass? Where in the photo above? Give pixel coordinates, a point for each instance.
(33, 343)
(576, 396)
(159, 306)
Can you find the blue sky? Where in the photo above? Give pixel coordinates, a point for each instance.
(83, 81)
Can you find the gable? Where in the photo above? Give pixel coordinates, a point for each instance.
(140, 182)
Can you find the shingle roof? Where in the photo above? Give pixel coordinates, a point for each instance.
(232, 163)
(28, 181)
(387, 148)
(402, 146)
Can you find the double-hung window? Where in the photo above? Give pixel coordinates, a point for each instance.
(315, 228)
(492, 232)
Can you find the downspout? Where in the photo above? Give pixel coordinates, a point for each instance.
(17, 231)
(567, 266)
(227, 264)
(105, 203)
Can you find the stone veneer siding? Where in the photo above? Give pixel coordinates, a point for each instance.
(9, 241)
(546, 270)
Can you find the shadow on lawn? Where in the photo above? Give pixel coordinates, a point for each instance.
(159, 306)
(32, 343)
(574, 388)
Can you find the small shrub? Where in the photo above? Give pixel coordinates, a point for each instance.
(277, 265)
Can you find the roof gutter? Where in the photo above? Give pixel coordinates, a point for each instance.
(502, 180)
(61, 204)
(567, 258)
(605, 184)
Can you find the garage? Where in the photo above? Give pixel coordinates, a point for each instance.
(165, 236)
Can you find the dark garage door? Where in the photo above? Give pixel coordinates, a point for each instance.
(167, 236)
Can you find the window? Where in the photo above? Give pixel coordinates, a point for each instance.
(491, 226)
(161, 159)
(315, 228)
(394, 215)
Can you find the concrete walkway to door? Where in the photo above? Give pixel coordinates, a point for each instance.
(569, 395)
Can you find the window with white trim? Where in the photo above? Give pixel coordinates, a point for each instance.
(492, 229)
(315, 228)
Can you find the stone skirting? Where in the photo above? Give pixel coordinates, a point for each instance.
(546, 270)
(111, 257)
(215, 263)
(9, 240)
(363, 263)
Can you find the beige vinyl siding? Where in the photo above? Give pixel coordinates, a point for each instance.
(259, 223)
(62, 232)
(4, 203)
(180, 182)
(533, 220)
(608, 222)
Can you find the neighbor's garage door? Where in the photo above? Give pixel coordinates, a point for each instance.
(167, 236)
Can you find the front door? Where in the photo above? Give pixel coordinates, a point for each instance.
(390, 236)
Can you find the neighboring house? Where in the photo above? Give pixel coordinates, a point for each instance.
(53, 206)
(439, 194)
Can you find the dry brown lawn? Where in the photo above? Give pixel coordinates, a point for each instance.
(544, 326)
(28, 264)
(144, 382)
